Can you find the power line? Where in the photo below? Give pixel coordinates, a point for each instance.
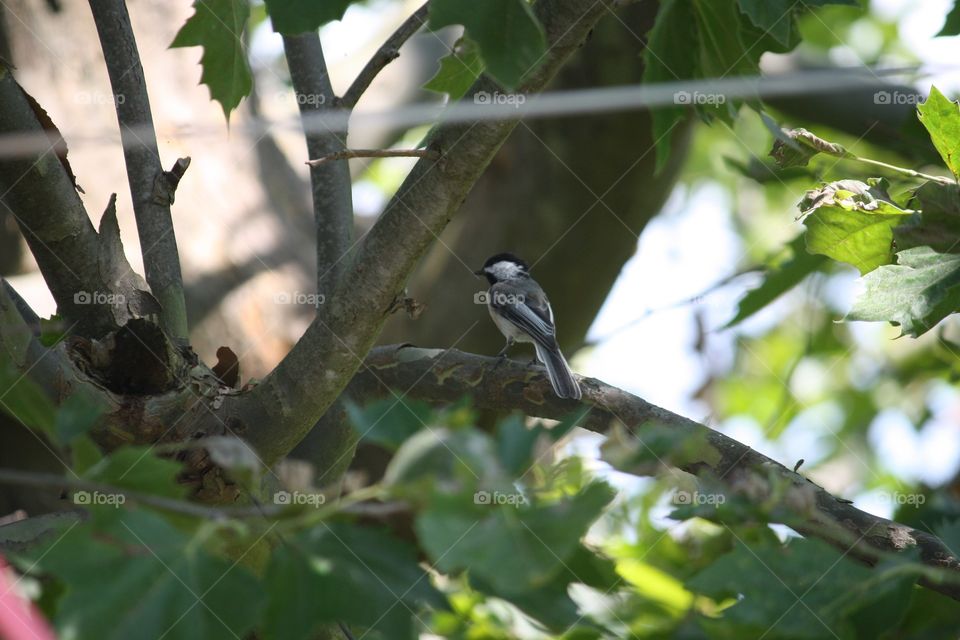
(506, 106)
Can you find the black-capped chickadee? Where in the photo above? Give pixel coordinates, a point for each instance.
(521, 311)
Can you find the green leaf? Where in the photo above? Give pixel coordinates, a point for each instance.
(778, 280)
(646, 449)
(458, 71)
(389, 422)
(941, 118)
(937, 223)
(516, 442)
(878, 605)
(291, 17)
(138, 469)
(776, 16)
(669, 55)
(722, 49)
(805, 589)
(161, 584)
(849, 222)
(77, 415)
(346, 573)
(84, 454)
(217, 26)
(917, 293)
(515, 549)
(949, 534)
(466, 458)
(510, 38)
(22, 399)
(951, 26)
(773, 16)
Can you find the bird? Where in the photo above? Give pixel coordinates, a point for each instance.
(520, 309)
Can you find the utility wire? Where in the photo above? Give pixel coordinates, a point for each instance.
(507, 106)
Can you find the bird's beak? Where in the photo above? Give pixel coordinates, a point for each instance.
(479, 273)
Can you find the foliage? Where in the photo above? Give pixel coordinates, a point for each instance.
(217, 26)
(714, 39)
(504, 537)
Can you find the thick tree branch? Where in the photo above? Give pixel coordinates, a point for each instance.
(332, 196)
(445, 376)
(288, 402)
(158, 242)
(386, 54)
(40, 194)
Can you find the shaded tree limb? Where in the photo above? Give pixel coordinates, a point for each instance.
(158, 243)
(386, 54)
(331, 185)
(40, 194)
(446, 376)
(332, 193)
(281, 410)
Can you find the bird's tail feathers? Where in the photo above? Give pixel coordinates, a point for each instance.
(561, 377)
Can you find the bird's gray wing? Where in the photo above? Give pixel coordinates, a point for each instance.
(527, 309)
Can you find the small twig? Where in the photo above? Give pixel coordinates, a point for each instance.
(346, 154)
(386, 54)
(901, 170)
(165, 186)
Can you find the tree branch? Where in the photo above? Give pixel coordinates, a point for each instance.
(332, 196)
(386, 54)
(40, 193)
(158, 243)
(288, 402)
(446, 376)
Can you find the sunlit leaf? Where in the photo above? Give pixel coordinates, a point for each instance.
(346, 573)
(852, 222)
(217, 26)
(509, 36)
(917, 293)
(778, 281)
(941, 117)
(292, 17)
(458, 71)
